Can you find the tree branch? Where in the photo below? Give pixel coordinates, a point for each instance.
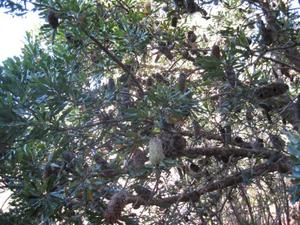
(282, 63)
(282, 163)
(226, 151)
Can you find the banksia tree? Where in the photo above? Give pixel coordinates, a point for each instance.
(153, 112)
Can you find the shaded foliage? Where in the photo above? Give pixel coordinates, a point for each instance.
(116, 112)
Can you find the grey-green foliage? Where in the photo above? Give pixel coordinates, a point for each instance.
(77, 113)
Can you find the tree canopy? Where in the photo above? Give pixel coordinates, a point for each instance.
(153, 112)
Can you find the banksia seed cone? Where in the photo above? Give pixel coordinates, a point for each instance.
(156, 151)
(115, 206)
(191, 6)
(182, 82)
(215, 51)
(149, 82)
(173, 144)
(191, 36)
(166, 51)
(174, 21)
(137, 160)
(124, 98)
(53, 19)
(271, 90)
(143, 192)
(68, 156)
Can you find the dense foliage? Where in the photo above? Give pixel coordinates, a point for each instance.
(161, 112)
